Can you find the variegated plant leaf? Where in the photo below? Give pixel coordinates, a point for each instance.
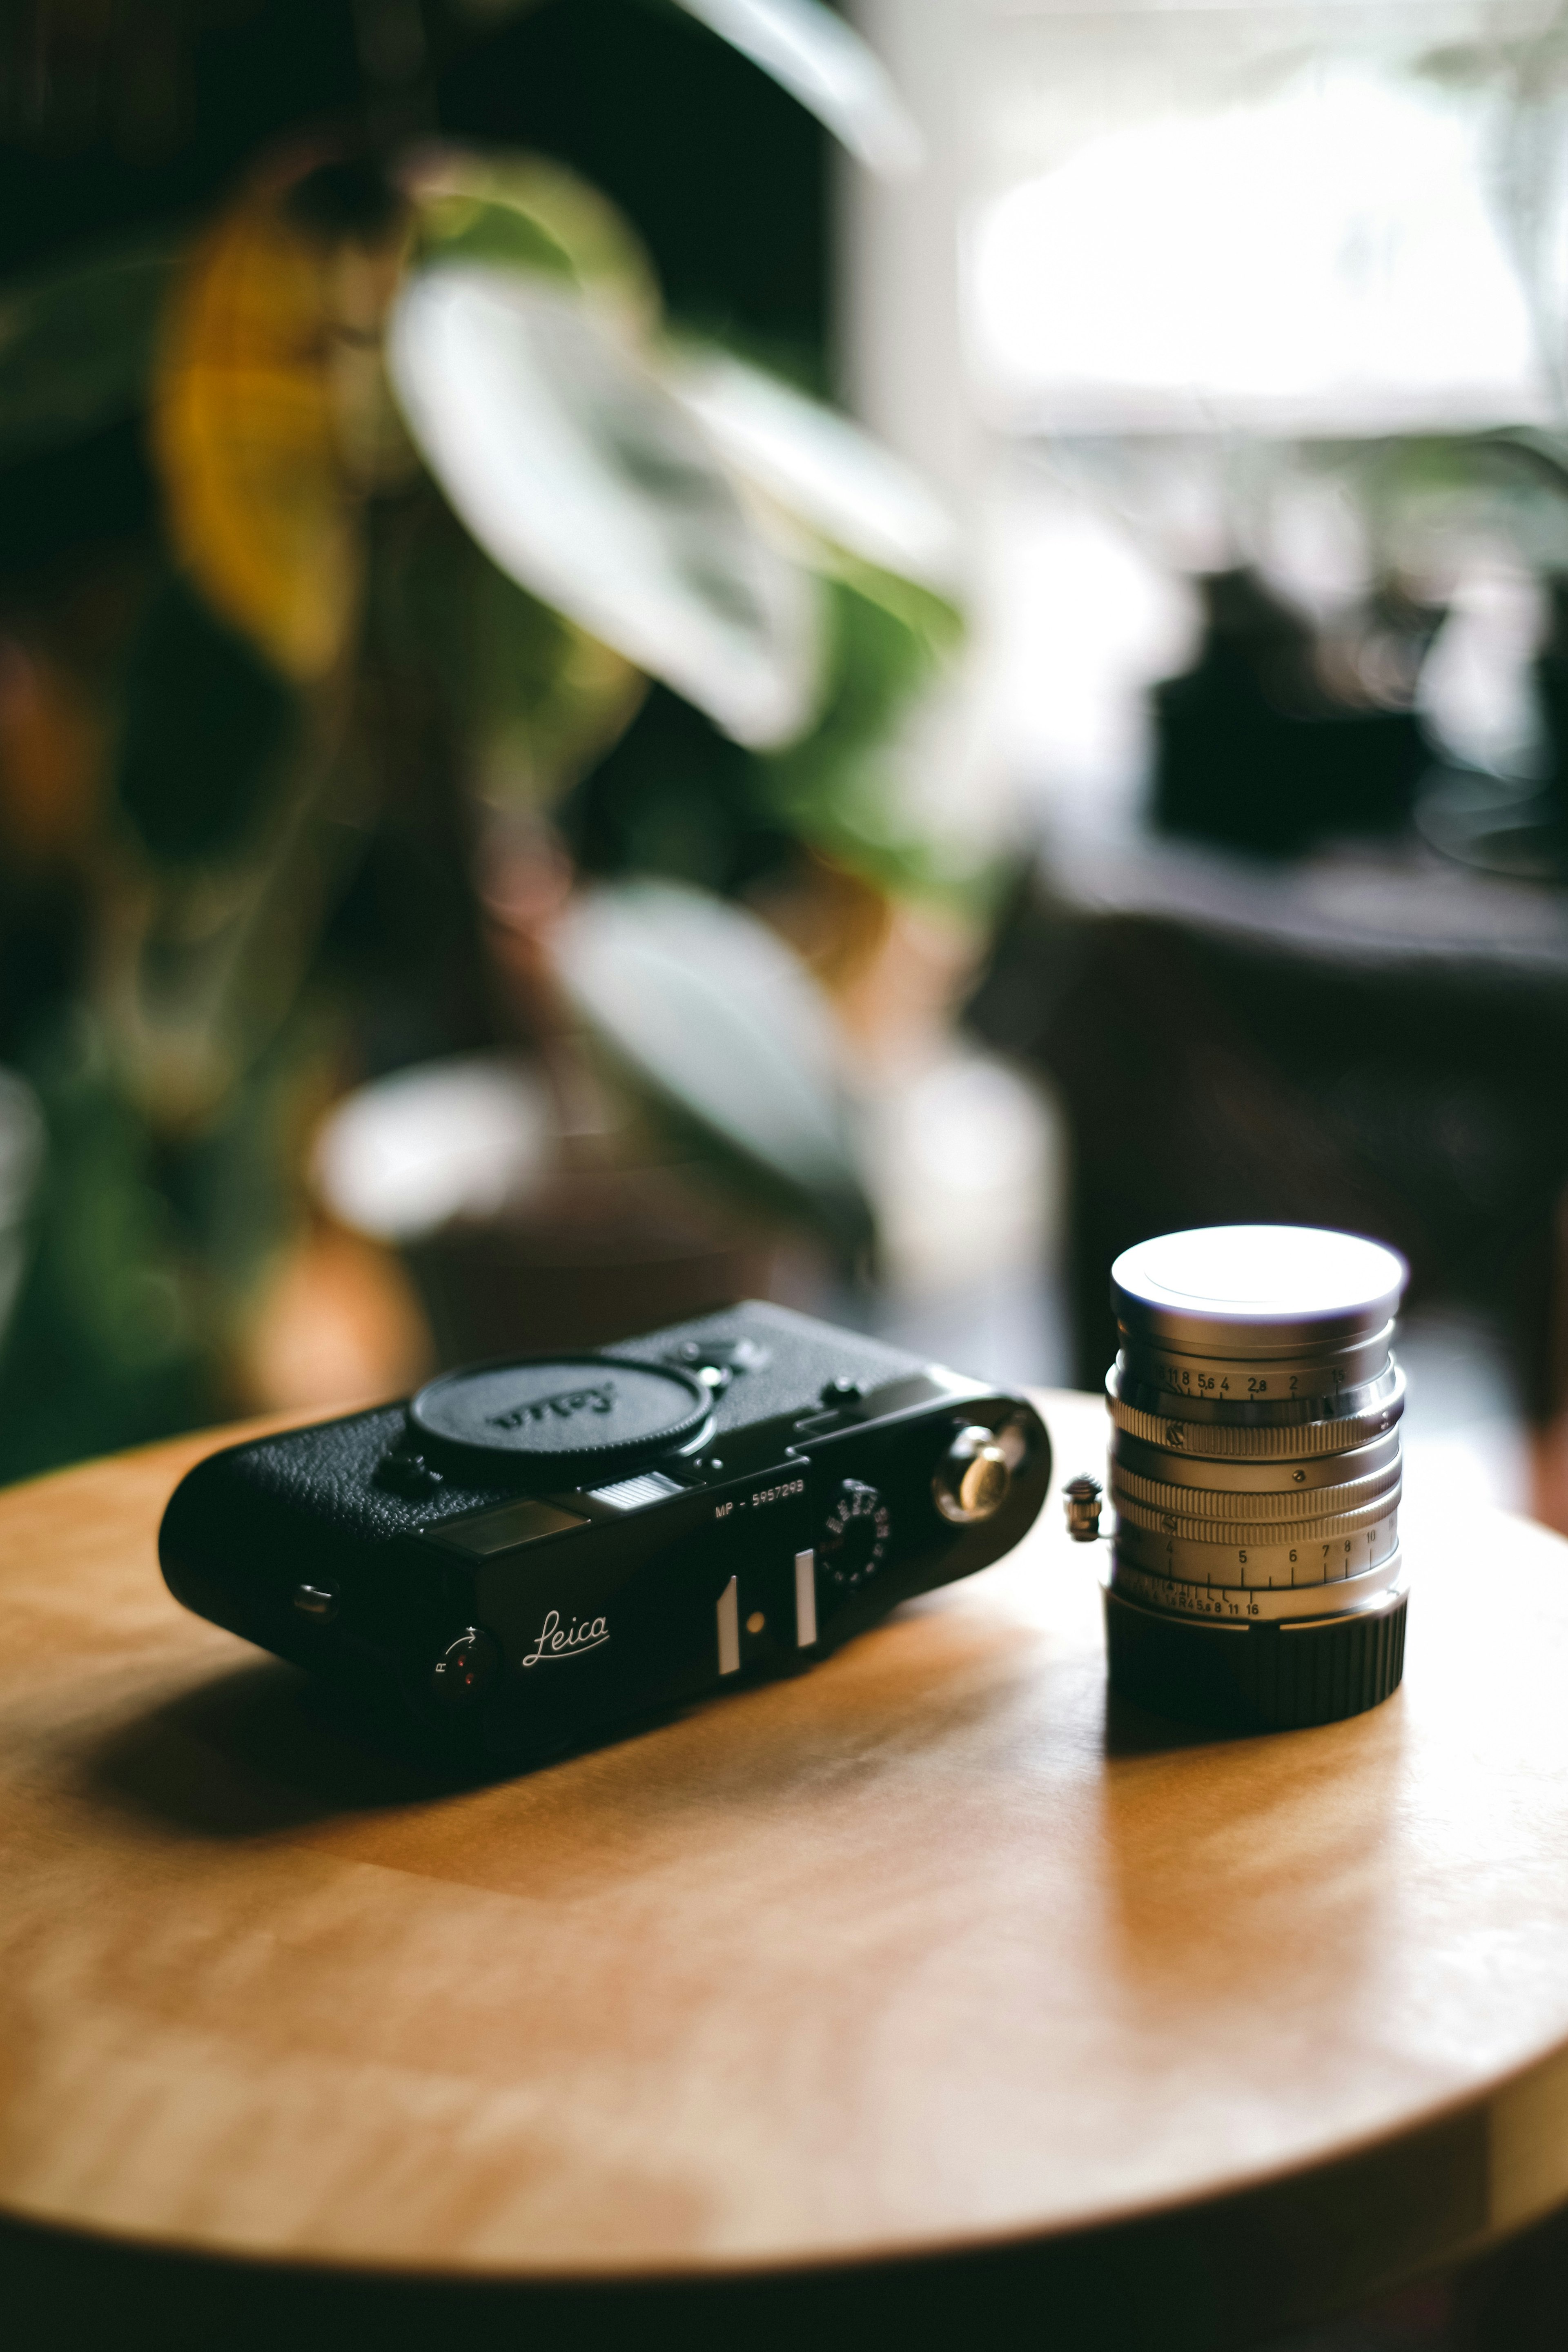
(724, 1025)
(820, 469)
(584, 478)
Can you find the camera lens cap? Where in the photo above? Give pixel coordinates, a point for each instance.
(1257, 1288)
(570, 1417)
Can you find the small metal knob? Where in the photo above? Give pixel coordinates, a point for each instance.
(974, 1479)
(1083, 1497)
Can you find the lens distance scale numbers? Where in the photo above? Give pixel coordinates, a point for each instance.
(1250, 1562)
(1256, 1576)
(1234, 1604)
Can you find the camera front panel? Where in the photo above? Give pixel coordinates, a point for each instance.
(711, 1585)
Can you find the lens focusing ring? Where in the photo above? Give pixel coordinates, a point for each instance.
(1255, 1474)
(1235, 1534)
(1251, 1508)
(1268, 1559)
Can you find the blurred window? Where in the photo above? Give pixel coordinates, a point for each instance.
(1166, 262)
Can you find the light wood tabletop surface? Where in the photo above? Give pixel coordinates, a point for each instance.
(932, 1953)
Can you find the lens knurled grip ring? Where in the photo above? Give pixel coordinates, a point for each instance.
(1258, 1677)
(1245, 1506)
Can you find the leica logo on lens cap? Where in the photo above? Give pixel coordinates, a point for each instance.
(596, 1400)
(559, 1421)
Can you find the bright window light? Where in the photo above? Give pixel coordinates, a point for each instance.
(1326, 262)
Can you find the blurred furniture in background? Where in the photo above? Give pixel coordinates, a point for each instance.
(927, 1998)
(1239, 335)
(1373, 1038)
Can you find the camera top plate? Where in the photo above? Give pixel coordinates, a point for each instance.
(581, 1416)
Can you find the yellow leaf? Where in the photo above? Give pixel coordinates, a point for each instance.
(268, 363)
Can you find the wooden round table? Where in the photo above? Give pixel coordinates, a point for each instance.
(927, 1995)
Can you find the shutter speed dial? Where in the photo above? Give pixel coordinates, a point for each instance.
(855, 1537)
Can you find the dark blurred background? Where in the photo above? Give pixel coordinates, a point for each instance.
(520, 818)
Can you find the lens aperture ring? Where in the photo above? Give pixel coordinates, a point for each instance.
(1255, 1380)
(1260, 1432)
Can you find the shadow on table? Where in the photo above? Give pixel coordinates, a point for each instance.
(265, 1749)
(1134, 1730)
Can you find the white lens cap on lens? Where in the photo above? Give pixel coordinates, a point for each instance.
(569, 1416)
(1256, 1289)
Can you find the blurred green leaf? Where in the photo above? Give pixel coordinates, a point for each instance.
(537, 698)
(586, 482)
(676, 798)
(521, 212)
(842, 788)
(207, 725)
(147, 1242)
(248, 817)
(724, 1026)
(77, 342)
(547, 698)
(102, 1351)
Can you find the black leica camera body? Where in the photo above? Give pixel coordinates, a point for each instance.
(531, 1555)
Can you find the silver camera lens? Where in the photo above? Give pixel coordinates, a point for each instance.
(1256, 1578)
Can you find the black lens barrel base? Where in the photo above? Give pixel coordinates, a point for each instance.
(1259, 1677)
